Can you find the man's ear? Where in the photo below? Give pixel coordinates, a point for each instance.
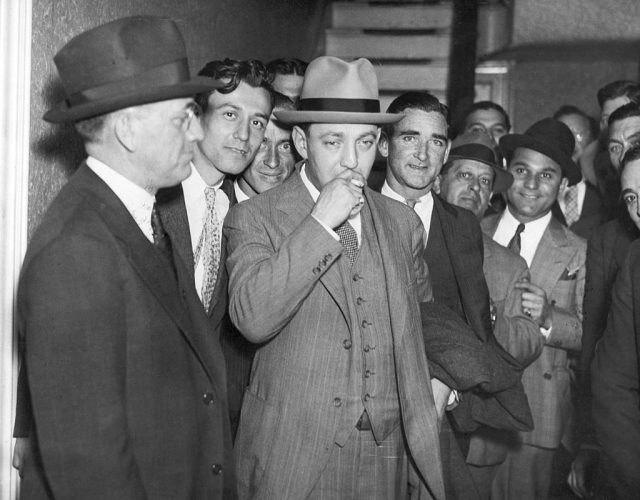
(299, 139)
(436, 183)
(383, 144)
(446, 153)
(564, 184)
(125, 128)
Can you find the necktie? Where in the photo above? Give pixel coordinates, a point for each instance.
(571, 214)
(161, 239)
(412, 202)
(349, 240)
(208, 248)
(514, 244)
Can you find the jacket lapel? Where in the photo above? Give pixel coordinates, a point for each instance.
(296, 203)
(551, 257)
(150, 265)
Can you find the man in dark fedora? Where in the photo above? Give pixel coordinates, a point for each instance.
(326, 276)
(471, 176)
(126, 380)
(540, 160)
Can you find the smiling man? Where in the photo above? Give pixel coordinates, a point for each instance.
(275, 159)
(326, 276)
(540, 161)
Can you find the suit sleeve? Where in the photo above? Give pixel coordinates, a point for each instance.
(566, 331)
(268, 282)
(616, 405)
(518, 334)
(71, 305)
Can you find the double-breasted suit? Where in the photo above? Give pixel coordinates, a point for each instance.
(127, 383)
(558, 267)
(290, 288)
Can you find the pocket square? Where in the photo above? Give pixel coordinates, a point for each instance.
(569, 274)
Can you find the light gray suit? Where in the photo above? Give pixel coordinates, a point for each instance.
(287, 282)
(558, 267)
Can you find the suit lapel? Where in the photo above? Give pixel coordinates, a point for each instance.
(551, 257)
(173, 211)
(150, 265)
(296, 203)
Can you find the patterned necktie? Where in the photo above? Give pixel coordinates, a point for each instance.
(349, 240)
(209, 247)
(161, 239)
(514, 244)
(412, 202)
(571, 213)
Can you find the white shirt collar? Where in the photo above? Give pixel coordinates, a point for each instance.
(424, 209)
(138, 201)
(529, 238)
(240, 194)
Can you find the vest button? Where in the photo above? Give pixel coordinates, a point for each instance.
(360, 301)
(207, 398)
(367, 397)
(337, 402)
(547, 376)
(216, 469)
(369, 373)
(346, 343)
(356, 277)
(365, 323)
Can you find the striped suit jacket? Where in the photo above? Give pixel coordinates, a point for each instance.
(286, 290)
(558, 267)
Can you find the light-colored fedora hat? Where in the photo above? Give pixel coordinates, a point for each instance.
(336, 91)
(127, 62)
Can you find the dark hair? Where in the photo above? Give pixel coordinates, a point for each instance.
(284, 66)
(252, 72)
(632, 154)
(623, 112)
(421, 100)
(569, 109)
(619, 88)
(90, 129)
(459, 125)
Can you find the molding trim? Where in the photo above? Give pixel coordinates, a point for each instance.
(15, 77)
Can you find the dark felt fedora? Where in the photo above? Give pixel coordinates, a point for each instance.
(550, 138)
(336, 91)
(478, 146)
(127, 62)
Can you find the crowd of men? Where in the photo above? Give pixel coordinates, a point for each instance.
(222, 303)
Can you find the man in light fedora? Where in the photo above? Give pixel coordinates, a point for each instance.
(126, 380)
(471, 176)
(326, 276)
(540, 162)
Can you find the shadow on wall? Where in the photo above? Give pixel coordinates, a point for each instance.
(60, 145)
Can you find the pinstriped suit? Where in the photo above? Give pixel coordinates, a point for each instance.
(558, 267)
(286, 282)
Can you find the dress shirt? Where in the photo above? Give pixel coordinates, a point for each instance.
(240, 194)
(529, 238)
(194, 198)
(355, 221)
(582, 191)
(138, 201)
(424, 208)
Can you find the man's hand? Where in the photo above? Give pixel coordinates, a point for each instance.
(340, 199)
(441, 394)
(21, 454)
(581, 469)
(535, 303)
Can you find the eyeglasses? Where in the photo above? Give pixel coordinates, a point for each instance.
(183, 122)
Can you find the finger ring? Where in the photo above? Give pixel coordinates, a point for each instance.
(527, 312)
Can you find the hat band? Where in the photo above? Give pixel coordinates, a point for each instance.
(340, 105)
(477, 152)
(165, 75)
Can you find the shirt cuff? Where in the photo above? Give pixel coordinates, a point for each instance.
(329, 230)
(546, 332)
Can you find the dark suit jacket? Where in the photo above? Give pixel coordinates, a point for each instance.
(593, 213)
(127, 382)
(616, 384)
(286, 283)
(238, 353)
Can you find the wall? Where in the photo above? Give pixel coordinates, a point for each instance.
(544, 82)
(213, 29)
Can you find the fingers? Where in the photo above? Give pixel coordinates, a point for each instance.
(529, 287)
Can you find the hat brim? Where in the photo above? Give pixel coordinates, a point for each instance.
(295, 117)
(64, 113)
(502, 179)
(509, 143)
